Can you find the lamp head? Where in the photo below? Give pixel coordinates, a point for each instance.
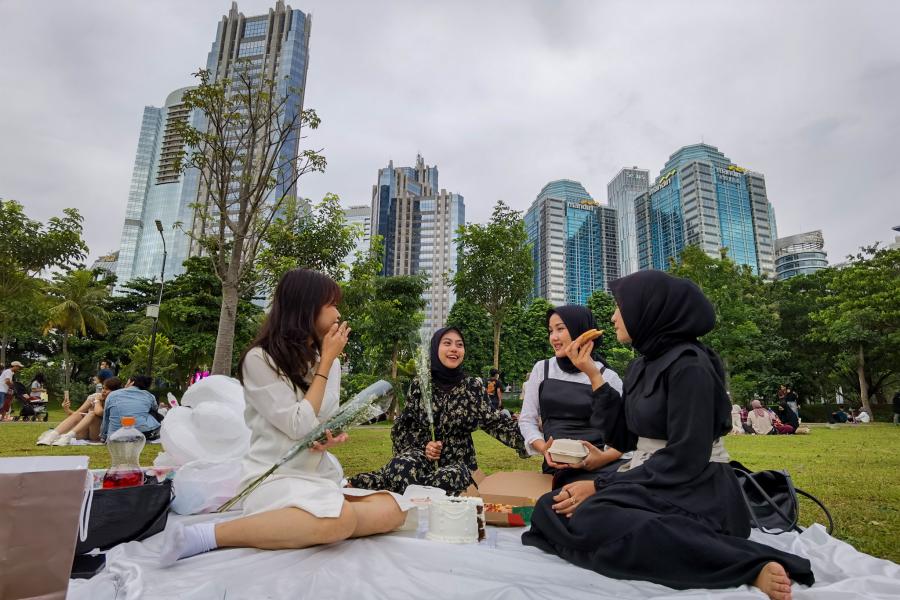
(159, 226)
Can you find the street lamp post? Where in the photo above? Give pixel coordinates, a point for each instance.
(155, 312)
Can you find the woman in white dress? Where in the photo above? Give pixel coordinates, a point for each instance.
(291, 378)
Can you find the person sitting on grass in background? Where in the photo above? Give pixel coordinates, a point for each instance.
(863, 417)
(838, 416)
(74, 416)
(88, 428)
(761, 419)
(133, 400)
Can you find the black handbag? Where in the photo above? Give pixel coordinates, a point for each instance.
(771, 499)
(127, 514)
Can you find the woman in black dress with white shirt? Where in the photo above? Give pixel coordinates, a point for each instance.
(674, 514)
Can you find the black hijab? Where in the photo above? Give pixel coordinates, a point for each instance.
(661, 311)
(577, 319)
(442, 376)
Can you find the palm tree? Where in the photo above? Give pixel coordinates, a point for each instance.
(76, 307)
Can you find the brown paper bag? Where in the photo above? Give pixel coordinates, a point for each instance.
(40, 503)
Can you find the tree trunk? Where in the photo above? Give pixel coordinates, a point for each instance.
(3, 341)
(497, 323)
(66, 360)
(393, 409)
(225, 336)
(395, 356)
(863, 385)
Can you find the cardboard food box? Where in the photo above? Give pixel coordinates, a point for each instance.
(519, 490)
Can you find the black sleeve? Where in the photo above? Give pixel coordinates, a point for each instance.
(501, 427)
(609, 418)
(690, 432)
(411, 431)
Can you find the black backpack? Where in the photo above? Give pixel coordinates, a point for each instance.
(771, 500)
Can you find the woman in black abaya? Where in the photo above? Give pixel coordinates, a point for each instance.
(674, 514)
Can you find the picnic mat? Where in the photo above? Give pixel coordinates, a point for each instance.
(399, 566)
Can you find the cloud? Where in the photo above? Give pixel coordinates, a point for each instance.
(503, 96)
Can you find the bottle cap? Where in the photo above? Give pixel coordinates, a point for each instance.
(127, 421)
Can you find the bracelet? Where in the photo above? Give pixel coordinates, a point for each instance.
(322, 376)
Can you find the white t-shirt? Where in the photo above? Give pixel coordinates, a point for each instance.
(529, 418)
(863, 417)
(7, 374)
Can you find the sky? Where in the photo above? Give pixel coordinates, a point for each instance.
(503, 96)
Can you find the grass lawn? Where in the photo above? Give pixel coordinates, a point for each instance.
(853, 469)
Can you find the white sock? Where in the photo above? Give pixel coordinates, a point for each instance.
(181, 542)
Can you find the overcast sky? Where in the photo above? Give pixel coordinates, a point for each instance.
(502, 96)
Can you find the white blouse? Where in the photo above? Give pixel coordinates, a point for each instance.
(529, 418)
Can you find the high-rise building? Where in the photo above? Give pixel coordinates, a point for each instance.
(418, 224)
(622, 191)
(359, 216)
(159, 191)
(800, 254)
(703, 199)
(273, 46)
(575, 243)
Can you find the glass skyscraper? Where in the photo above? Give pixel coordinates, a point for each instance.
(575, 243)
(272, 46)
(418, 224)
(277, 45)
(158, 192)
(703, 199)
(627, 185)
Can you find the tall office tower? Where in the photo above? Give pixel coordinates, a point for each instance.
(359, 216)
(703, 199)
(622, 191)
(418, 224)
(800, 254)
(158, 192)
(273, 46)
(575, 243)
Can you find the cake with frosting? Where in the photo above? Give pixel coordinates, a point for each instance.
(456, 520)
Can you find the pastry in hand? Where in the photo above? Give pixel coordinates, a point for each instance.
(587, 336)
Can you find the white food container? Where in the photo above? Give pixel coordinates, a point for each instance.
(568, 451)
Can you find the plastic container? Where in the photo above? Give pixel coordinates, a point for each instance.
(125, 447)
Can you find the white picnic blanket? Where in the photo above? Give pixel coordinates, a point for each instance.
(401, 565)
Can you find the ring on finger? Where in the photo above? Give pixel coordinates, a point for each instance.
(573, 501)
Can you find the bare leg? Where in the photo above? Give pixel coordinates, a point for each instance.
(773, 581)
(94, 431)
(82, 429)
(285, 528)
(69, 423)
(375, 514)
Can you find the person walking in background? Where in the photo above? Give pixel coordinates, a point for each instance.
(792, 400)
(494, 389)
(7, 379)
(897, 408)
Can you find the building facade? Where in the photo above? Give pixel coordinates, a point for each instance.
(273, 46)
(575, 243)
(703, 199)
(360, 217)
(622, 191)
(417, 222)
(159, 191)
(800, 254)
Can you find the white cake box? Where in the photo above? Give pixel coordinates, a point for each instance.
(568, 451)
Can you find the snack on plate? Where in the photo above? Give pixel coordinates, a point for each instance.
(568, 451)
(456, 520)
(498, 508)
(587, 336)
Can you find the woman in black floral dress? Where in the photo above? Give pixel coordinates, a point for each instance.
(460, 407)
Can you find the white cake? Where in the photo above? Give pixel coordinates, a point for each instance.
(456, 520)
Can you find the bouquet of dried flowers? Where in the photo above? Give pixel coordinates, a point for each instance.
(423, 372)
(365, 406)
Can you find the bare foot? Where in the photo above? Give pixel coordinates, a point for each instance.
(774, 582)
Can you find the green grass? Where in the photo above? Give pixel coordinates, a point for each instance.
(853, 469)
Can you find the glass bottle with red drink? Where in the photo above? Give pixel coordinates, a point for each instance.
(125, 447)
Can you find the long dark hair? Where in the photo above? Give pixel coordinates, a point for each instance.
(291, 323)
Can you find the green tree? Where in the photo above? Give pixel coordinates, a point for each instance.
(164, 359)
(27, 248)
(494, 267)
(397, 311)
(475, 324)
(316, 237)
(247, 170)
(358, 297)
(746, 333)
(526, 341)
(860, 314)
(77, 307)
